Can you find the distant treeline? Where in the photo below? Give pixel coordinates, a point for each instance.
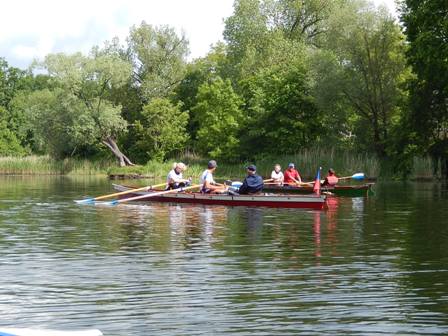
(291, 76)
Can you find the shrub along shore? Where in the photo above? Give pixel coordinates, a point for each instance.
(307, 162)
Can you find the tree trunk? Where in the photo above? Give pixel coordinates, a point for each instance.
(112, 145)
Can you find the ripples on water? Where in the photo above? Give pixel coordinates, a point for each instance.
(363, 267)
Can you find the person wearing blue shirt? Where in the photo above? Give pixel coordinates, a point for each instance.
(253, 183)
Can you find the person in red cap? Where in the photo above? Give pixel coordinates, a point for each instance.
(291, 175)
(253, 183)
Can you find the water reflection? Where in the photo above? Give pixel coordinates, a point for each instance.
(363, 266)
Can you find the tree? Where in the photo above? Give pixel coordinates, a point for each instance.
(77, 113)
(281, 112)
(200, 71)
(158, 58)
(9, 144)
(427, 30)
(219, 117)
(162, 129)
(370, 50)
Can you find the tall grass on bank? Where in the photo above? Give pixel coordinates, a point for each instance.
(307, 162)
(33, 165)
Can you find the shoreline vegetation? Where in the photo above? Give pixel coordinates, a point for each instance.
(307, 161)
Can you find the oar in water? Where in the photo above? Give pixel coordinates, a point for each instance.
(92, 200)
(115, 202)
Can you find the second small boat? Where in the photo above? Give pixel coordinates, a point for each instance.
(339, 190)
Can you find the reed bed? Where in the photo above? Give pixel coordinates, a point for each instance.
(44, 165)
(307, 162)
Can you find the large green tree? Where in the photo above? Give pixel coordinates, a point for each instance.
(427, 32)
(370, 52)
(281, 112)
(162, 129)
(158, 56)
(77, 114)
(219, 116)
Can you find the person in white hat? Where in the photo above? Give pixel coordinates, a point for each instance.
(175, 178)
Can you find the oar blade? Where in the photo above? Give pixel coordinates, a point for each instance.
(114, 202)
(85, 201)
(358, 176)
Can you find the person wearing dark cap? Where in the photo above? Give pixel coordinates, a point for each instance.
(331, 180)
(291, 175)
(208, 184)
(253, 183)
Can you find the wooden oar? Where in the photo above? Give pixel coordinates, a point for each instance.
(92, 200)
(115, 202)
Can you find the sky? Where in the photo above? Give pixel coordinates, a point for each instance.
(31, 29)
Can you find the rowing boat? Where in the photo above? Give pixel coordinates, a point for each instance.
(258, 200)
(339, 190)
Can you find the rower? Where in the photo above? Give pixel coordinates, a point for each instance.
(208, 183)
(292, 176)
(331, 180)
(253, 183)
(175, 179)
(277, 175)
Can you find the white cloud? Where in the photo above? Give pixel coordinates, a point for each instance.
(31, 29)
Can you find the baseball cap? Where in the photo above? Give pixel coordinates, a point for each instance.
(291, 165)
(251, 167)
(212, 164)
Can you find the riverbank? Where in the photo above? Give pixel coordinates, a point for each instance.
(307, 162)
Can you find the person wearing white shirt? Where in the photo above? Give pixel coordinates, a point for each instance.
(277, 175)
(175, 178)
(208, 184)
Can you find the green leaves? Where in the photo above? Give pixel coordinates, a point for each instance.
(76, 113)
(158, 56)
(219, 116)
(162, 129)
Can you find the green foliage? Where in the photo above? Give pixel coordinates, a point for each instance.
(281, 112)
(202, 70)
(9, 144)
(76, 114)
(219, 117)
(161, 131)
(158, 56)
(426, 29)
(369, 48)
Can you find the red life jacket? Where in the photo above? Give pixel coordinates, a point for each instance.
(332, 180)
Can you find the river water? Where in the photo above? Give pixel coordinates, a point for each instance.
(364, 266)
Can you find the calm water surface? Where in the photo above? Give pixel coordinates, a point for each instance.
(365, 266)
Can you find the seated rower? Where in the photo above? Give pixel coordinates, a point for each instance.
(253, 183)
(208, 183)
(331, 180)
(277, 175)
(292, 176)
(175, 179)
